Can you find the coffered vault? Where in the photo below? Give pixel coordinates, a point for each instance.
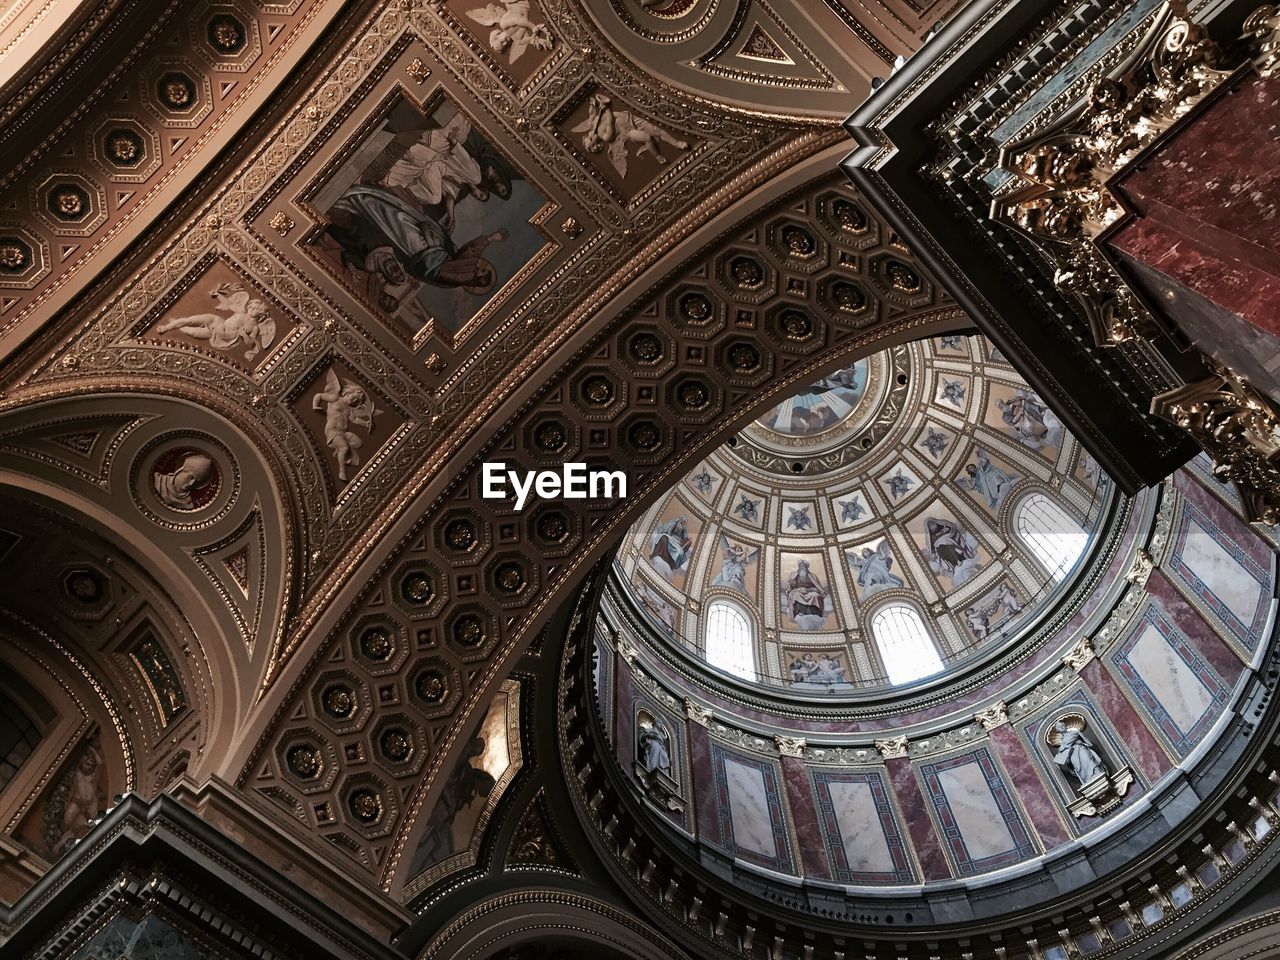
(278, 279)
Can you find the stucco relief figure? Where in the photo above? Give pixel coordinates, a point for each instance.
(1030, 420)
(76, 801)
(346, 408)
(670, 547)
(187, 485)
(654, 743)
(951, 550)
(244, 319)
(616, 131)
(733, 568)
(805, 598)
(987, 480)
(1076, 755)
(874, 569)
(513, 31)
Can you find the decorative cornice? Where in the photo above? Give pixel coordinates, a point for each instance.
(993, 716)
(894, 748)
(790, 746)
(1080, 654)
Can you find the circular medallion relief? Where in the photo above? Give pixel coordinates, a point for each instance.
(185, 479)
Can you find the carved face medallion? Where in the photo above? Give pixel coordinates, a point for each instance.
(185, 479)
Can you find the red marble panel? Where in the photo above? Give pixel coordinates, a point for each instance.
(1025, 776)
(624, 695)
(804, 815)
(902, 779)
(703, 785)
(1137, 736)
(1226, 518)
(1187, 619)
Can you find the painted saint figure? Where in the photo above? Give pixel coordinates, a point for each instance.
(733, 568)
(874, 568)
(951, 550)
(670, 547)
(346, 406)
(247, 321)
(805, 597)
(175, 489)
(1030, 420)
(1076, 755)
(987, 480)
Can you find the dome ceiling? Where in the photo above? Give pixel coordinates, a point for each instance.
(898, 483)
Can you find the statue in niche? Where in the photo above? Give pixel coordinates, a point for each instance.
(655, 746)
(190, 484)
(1076, 755)
(247, 321)
(653, 766)
(1098, 790)
(619, 130)
(345, 406)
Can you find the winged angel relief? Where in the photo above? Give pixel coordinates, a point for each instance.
(246, 321)
(618, 130)
(346, 406)
(513, 31)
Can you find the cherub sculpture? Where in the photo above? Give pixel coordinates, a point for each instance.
(247, 321)
(513, 29)
(345, 406)
(616, 130)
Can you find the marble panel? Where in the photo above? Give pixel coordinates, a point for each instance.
(1143, 745)
(924, 838)
(1044, 813)
(1215, 569)
(863, 838)
(1172, 683)
(752, 820)
(975, 809)
(804, 817)
(701, 785)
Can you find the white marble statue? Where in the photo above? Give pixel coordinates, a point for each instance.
(655, 747)
(1075, 755)
(619, 130)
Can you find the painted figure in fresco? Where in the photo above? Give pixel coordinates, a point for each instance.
(733, 568)
(986, 479)
(465, 784)
(874, 568)
(805, 596)
(346, 406)
(1076, 755)
(1030, 421)
(439, 170)
(670, 547)
(374, 225)
(652, 601)
(1007, 601)
(953, 392)
(951, 550)
(655, 747)
(246, 321)
(175, 489)
(513, 28)
(802, 669)
(75, 802)
(618, 130)
(805, 420)
(900, 483)
(830, 670)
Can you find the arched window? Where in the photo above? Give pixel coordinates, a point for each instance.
(907, 650)
(729, 641)
(1054, 539)
(19, 737)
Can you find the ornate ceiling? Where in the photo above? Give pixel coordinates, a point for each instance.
(277, 277)
(869, 477)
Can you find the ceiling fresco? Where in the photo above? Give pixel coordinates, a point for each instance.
(281, 279)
